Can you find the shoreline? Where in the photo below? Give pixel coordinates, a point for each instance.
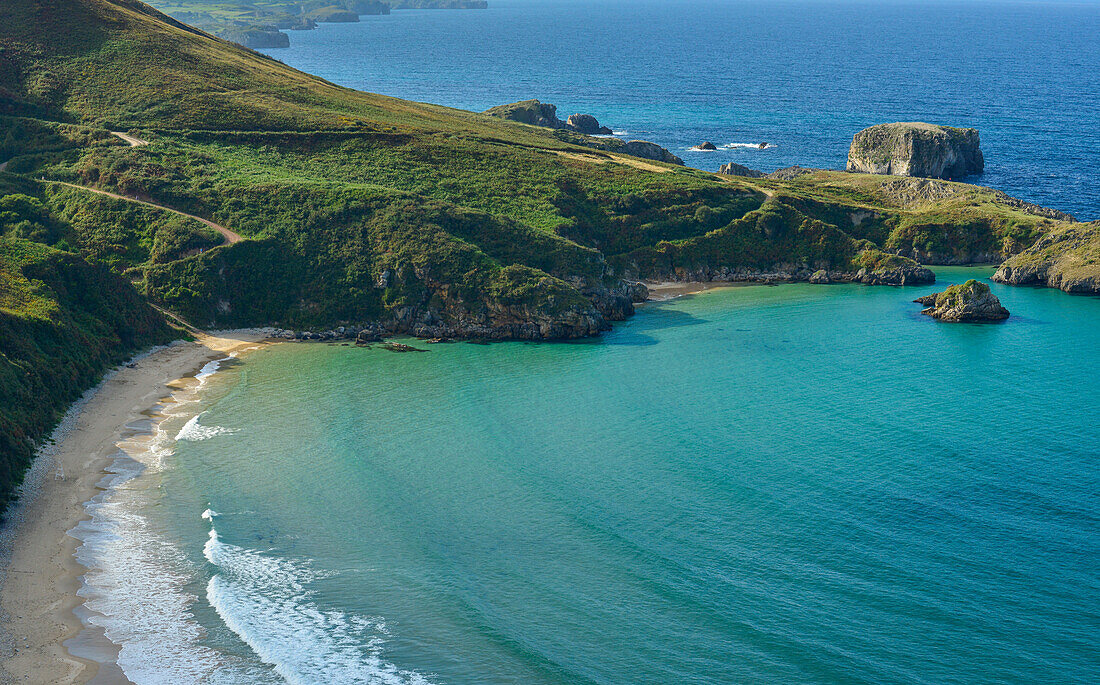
(663, 291)
(40, 575)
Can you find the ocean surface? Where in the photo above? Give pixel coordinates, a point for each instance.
(810, 484)
(801, 75)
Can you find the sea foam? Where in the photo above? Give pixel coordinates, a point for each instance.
(136, 584)
(748, 146)
(194, 431)
(265, 600)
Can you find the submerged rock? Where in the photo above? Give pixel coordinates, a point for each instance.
(916, 149)
(971, 302)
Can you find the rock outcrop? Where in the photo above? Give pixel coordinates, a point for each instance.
(587, 124)
(706, 146)
(647, 150)
(544, 114)
(257, 38)
(1067, 258)
(898, 275)
(917, 149)
(734, 169)
(530, 112)
(971, 302)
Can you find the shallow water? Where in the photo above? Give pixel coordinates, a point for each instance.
(803, 75)
(757, 484)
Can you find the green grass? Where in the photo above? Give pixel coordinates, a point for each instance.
(63, 322)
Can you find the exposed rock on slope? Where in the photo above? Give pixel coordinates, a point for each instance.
(916, 149)
(538, 113)
(971, 302)
(1067, 258)
(734, 169)
(647, 150)
(530, 112)
(587, 124)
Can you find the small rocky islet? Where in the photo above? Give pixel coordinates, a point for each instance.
(969, 302)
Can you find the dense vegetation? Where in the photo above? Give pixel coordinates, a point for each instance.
(63, 322)
(359, 208)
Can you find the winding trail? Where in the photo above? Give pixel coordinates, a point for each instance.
(229, 236)
(134, 142)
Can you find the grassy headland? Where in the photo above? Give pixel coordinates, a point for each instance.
(359, 208)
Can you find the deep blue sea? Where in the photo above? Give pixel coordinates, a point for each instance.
(802, 75)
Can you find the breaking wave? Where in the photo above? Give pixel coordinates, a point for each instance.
(194, 431)
(748, 146)
(264, 599)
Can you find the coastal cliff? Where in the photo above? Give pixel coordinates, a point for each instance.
(1067, 258)
(916, 149)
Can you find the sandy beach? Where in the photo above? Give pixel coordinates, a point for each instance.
(668, 290)
(41, 575)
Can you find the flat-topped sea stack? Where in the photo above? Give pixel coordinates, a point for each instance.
(971, 302)
(917, 149)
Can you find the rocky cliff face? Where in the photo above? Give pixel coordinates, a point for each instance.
(1067, 258)
(913, 274)
(916, 149)
(587, 124)
(647, 150)
(971, 302)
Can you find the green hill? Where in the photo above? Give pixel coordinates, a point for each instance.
(358, 208)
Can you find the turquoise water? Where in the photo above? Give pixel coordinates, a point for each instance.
(802, 75)
(756, 484)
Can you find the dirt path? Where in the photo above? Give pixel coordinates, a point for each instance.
(229, 236)
(134, 142)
